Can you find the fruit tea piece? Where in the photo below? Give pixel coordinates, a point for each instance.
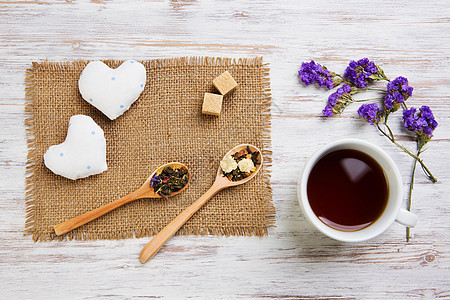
(240, 164)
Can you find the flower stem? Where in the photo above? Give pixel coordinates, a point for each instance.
(373, 89)
(389, 128)
(383, 76)
(407, 151)
(411, 186)
(364, 100)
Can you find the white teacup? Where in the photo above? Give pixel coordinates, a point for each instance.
(392, 212)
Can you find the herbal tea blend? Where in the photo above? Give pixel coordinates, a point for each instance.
(169, 181)
(240, 164)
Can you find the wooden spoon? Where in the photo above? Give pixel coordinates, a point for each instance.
(145, 191)
(221, 182)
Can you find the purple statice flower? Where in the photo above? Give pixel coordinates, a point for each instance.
(359, 72)
(311, 72)
(398, 91)
(422, 123)
(328, 111)
(370, 112)
(338, 100)
(154, 179)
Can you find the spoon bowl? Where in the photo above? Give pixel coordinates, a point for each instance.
(221, 182)
(221, 177)
(149, 192)
(145, 191)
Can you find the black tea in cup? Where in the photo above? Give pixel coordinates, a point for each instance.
(347, 190)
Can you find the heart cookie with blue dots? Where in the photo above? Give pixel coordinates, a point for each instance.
(112, 91)
(82, 154)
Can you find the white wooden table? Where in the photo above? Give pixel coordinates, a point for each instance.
(294, 261)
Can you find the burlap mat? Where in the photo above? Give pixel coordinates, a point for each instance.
(165, 124)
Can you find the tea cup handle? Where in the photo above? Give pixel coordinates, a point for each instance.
(406, 218)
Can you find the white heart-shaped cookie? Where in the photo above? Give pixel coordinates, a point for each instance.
(82, 154)
(112, 91)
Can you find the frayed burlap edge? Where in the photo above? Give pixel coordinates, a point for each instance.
(30, 167)
(169, 62)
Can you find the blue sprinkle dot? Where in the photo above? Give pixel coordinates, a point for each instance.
(142, 85)
(61, 154)
(113, 78)
(92, 132)
(121, 106)
(131, 61)
(88, 167)
(70, 124)
(90, 99)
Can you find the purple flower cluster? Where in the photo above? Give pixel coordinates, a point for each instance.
(422, 122)
(359, 72)
(398, 91)
(311, 72)
(334, 98)
(370, 112)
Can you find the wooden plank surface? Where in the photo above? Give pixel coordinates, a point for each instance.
(295, 261)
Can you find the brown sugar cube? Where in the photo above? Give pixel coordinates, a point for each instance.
(212, 104)
(225, 83)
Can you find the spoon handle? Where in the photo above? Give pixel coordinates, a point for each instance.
(164, 235)
(94, 214)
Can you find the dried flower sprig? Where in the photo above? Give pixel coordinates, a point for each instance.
(398, 91)
(311, 72)
(362, 72)
(357, 76)
(339, 100)
(423, 124)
